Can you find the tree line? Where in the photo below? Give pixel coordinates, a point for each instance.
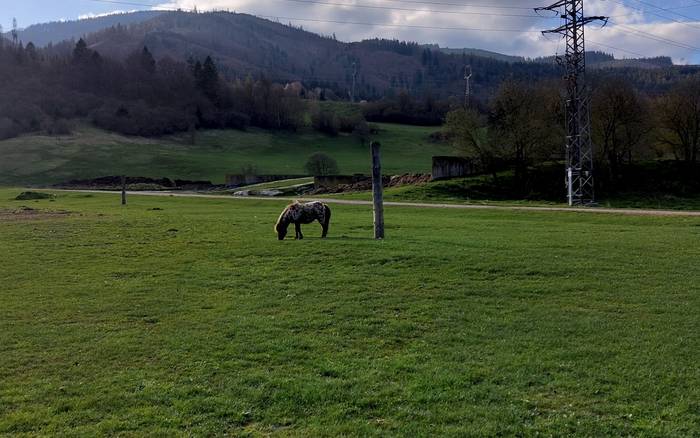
(140, 95)
(522, 129)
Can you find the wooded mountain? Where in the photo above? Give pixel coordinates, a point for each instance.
(244, 45)
(57, 31)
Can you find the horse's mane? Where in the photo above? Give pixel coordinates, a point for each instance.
(283, 219)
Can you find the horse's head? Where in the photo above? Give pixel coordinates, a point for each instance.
(281, 229)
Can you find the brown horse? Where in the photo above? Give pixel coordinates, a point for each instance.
(298, 213)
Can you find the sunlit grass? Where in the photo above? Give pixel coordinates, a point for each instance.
(186, 316)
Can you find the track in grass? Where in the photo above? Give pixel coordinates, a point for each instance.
(187, 316)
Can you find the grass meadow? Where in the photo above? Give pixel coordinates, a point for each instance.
(89, 153)
(175, 316)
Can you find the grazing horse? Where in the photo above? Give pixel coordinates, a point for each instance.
(298, 213)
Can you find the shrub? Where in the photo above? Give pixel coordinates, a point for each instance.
(325, 121)
(8, 128)
(30, 196)
(320, 164)
(58, 127)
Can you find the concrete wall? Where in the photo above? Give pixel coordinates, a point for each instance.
(451, 167)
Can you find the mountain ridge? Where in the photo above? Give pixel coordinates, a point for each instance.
(245, 45)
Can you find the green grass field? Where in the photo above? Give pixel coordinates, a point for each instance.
(90, 153)
(471, 191)
(175, 316)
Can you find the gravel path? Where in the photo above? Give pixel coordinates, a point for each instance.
(626, 211)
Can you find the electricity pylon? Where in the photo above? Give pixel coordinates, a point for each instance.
(579, 147)
(14, 31)
(467, 85)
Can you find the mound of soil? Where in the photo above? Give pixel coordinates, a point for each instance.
(366, 183)
(27, 213)
(30, 196)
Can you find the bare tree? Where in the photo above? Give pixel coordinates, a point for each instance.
(470, 134)
(679, 120)
(526, 123)
(620, 123)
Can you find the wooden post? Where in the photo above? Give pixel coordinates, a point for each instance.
(123, 189)
(377, 195)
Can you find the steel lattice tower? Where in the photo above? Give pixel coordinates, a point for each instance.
(579, 147)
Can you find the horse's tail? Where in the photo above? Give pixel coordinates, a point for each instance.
(327, 217)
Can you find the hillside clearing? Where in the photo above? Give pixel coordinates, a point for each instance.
(91, 153)
(187, 316)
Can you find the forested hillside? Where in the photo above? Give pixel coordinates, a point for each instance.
(43, 34)
(243, 45)
(184, 71)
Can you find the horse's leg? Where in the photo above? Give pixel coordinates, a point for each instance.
(324, 225)
(326, 221)
(297, 228)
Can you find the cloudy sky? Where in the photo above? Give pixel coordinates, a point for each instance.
(636, 27)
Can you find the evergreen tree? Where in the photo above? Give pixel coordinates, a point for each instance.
(148, 64)
(207, 77)
(81, 53)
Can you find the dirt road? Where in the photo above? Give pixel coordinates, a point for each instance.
(626, 211)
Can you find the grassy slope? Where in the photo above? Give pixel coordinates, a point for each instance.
(470, 191)
(90, 153)
(193, 319)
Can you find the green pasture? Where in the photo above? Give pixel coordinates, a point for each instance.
(181, 317)
(481, 190)
(90, 153)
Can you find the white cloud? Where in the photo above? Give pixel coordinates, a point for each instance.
(498, 15)
(103, 14)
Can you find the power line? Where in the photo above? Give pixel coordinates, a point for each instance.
(631, 30)
(363, 6)
(119, 2)
(666, 10)
(595, 43)
(469, 5)
(356, 23)
(623, 28)
(657, 14)
(408, 26)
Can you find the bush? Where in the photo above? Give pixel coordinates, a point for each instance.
(348, 123)
(325, 121)
(320, 164)
(362, 131)
(8, 128)
(139, 119)
(58, 127)
(30, 196)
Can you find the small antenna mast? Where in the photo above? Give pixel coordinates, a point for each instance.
(467, 85)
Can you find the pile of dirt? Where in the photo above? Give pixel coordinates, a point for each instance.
(136, 183)
(31, 196)
(409, 179)
(27, 213)
(366, 183)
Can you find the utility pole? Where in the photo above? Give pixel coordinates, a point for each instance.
(467, 85)
(123, 189)
(354, 80)
(377, 191)
(579, 147)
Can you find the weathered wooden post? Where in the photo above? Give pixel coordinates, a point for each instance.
(123, 189)
(377, 195)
